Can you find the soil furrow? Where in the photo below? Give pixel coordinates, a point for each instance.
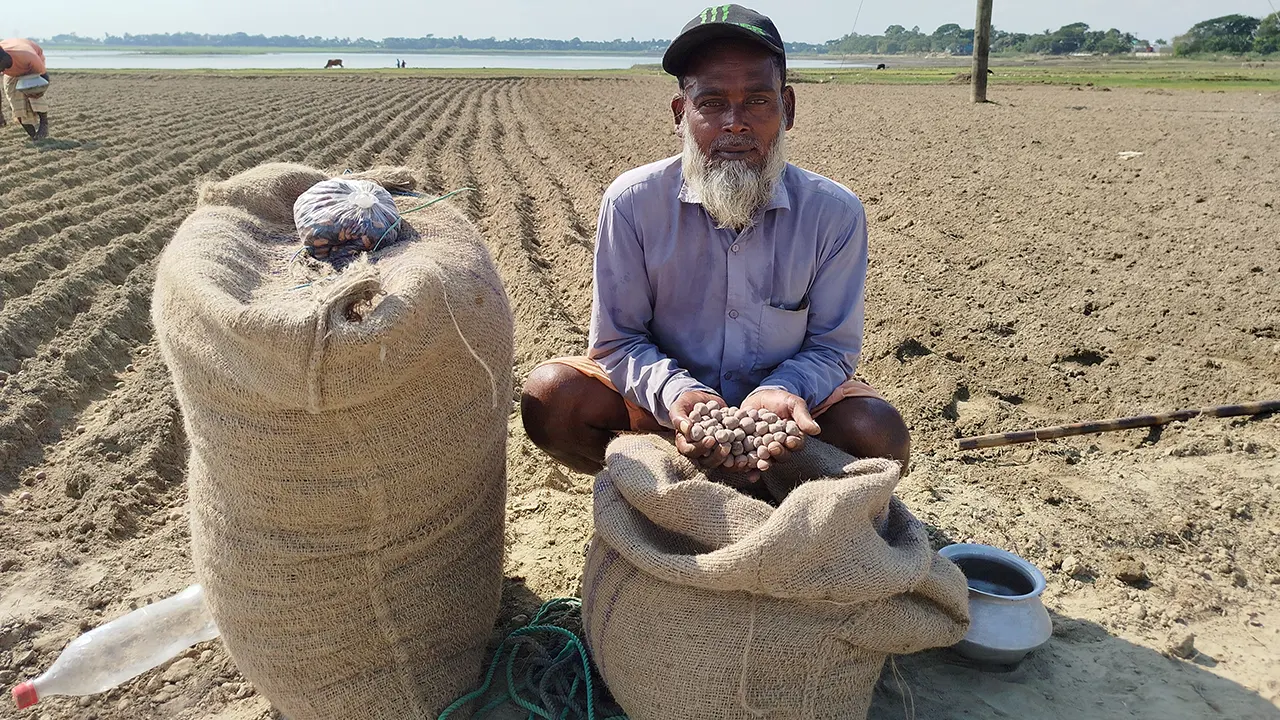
(427, 153)
(397, 128)
(562, 246)
(125, 211)
(508, 224)
(1021, 274)
(357, 129)
(443, 96)
(31, 322)
(142, 164)
(572, 179)
(77, 370)
(453, 164)
(82, 167)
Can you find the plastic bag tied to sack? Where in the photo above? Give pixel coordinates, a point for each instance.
(342, 218)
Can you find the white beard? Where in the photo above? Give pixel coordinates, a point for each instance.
(732, 191)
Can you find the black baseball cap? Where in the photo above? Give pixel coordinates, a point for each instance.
(717, 22)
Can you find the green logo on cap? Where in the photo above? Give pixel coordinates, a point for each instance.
(715, 14)
(721, 14)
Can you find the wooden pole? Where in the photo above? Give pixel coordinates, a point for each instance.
(1100, 426)
(981, 50)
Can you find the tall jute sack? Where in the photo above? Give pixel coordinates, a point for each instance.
(701, 602)
(347, 472)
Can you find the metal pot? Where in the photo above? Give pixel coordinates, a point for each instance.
(1007, 618)
(31, 85)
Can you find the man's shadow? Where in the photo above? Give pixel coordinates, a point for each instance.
(55, 144)
(1084, 673)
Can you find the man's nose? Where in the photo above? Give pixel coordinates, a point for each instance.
(735, 120)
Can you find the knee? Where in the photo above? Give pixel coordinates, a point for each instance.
(867, 427)
(546, 391)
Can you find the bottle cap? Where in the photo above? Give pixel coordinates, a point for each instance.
(25, 695)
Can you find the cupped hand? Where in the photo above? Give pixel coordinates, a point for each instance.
(706, 452)
(786, 406)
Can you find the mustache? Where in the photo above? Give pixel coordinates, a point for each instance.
(735, 144)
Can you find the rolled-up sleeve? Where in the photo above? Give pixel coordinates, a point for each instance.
(621, 312)
(833, 339)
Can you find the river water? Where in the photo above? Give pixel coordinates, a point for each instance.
(113, 59)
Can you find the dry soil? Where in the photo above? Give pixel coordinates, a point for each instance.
(1022, 274)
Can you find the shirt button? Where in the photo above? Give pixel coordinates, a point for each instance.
(733, 314)
(728, 376)
(736, 247)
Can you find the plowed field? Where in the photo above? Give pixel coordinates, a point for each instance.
(1022, 274)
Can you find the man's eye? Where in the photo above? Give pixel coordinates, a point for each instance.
(712, 104)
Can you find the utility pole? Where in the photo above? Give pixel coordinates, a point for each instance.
(981, 51)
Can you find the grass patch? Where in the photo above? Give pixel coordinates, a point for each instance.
(335, 52)
(1159, 74)
(1163, 74)
(491, 73)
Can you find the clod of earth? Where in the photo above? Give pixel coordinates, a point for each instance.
(1130, 572)
(1072, 565)
(1184, 648)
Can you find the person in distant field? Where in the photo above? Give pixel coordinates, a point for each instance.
(724, 273)
(19, 57)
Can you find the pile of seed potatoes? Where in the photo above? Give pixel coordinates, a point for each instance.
(755, 438)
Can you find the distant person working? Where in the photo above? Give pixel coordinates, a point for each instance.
(25, 81)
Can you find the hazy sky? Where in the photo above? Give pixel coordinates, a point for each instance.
(800, 20)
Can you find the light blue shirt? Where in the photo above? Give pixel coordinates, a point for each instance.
(681, 305)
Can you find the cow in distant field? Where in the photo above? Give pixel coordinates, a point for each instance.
(882, 66)
(333, 63)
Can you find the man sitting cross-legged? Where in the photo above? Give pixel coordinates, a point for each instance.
(722, 274)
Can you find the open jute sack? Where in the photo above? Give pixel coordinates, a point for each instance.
(702, 602)
(347, 476)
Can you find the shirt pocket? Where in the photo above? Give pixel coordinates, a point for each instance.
(782, 333)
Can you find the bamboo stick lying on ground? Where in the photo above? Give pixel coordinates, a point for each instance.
(1100, 426)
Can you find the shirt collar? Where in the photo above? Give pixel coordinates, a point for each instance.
(781, 199)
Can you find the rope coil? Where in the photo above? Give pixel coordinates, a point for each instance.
(547, 670)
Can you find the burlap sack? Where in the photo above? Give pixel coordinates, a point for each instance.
(347, 473)
(701, 602)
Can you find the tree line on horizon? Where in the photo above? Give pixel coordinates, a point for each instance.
(1228, 34)
(952, 39)
(1234, 34)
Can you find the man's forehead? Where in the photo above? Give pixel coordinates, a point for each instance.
(733, 65)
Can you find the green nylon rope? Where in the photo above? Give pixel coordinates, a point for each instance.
(386, 232)
(427, 204)
(556, 683)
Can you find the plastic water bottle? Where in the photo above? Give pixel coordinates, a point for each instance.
(124, 648)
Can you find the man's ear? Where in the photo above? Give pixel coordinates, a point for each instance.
(677, 108)
(789, 105)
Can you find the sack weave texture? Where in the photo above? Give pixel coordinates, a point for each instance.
(347, 475)
(702, 602)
